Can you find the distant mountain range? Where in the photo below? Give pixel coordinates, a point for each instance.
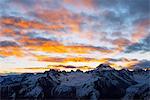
(103, 82)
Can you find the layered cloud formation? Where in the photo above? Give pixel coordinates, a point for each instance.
(73, 32)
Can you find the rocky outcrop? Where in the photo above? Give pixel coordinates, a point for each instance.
(138, 91)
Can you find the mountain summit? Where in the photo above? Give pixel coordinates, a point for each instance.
(104, 67)
(103, 82)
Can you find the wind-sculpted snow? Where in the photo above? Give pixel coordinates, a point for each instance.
(103, 82)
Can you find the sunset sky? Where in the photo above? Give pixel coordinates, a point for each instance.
(37, 34)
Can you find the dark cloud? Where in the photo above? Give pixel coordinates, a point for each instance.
(69, 67)
(142, 64)
(111, 16)
(121, 42)
(143, 45)
(142, 6)
(26, 2)
(121, 59)
(118, 34)
(121, 11)
(8, 43)
(138, 6)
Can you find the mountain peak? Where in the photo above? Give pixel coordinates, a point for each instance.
(97, 84)
(104, 67)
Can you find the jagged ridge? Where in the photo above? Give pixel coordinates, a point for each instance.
(103, 82)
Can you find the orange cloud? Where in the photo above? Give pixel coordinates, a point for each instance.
(66, 49)
(49, 59)
(39, 42)
(55, 67)
(121, 42)
(124, 63)
(141, 30)
(26, 24)
(62, 17)
(69, 67)
(49, 46)
(7, 32)
(11, 51)
(130, 64)
(78, 59)
(71, 59)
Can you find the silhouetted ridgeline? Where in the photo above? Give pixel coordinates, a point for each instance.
(103, 82)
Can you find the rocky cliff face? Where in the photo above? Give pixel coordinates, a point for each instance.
(101, 83)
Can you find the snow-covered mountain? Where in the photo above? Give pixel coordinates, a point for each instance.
(103, 82)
